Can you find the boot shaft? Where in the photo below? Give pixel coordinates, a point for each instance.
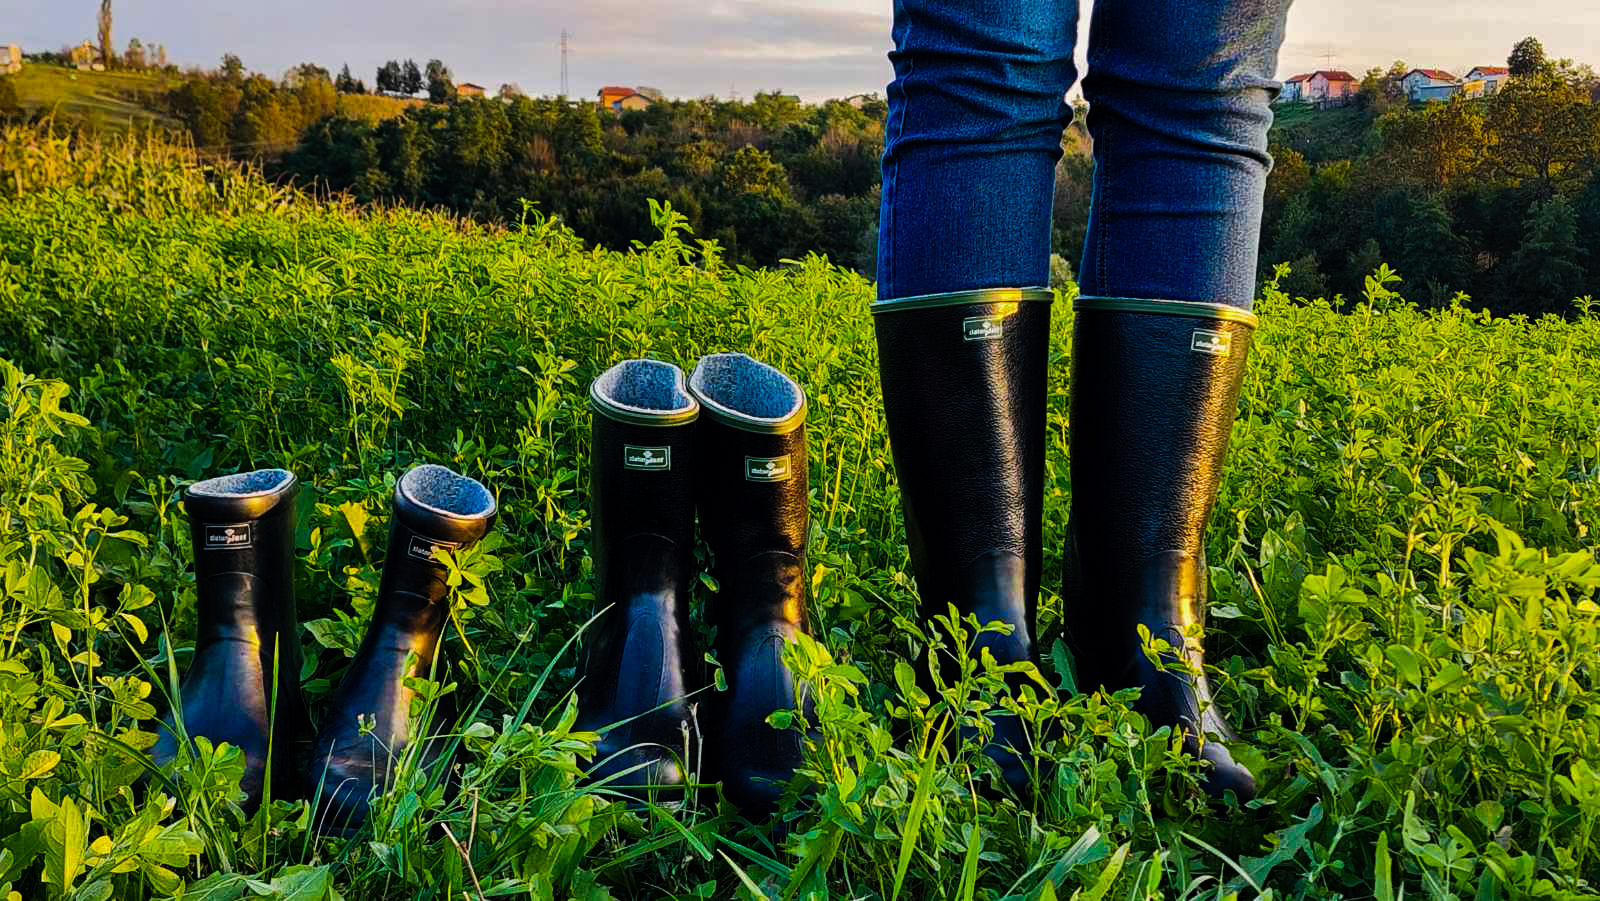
(1154, 389)
(964, 387)
(753, 493)
(243, 530)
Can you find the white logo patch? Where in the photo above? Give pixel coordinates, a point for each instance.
(646, 457)
(982, 328)
(422, 549)
(228, 537)
(767, 469)
(1217, 344)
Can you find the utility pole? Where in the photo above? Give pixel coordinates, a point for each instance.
(564, 37)
(1327, 59)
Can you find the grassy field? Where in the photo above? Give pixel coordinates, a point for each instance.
(1336, 133)
(108, 100)
(1404, 621)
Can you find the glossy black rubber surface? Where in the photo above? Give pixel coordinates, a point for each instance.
(752, 501)
(964, 393)
(1153, 401)
(633, 676)
(247, 631)
(430, 509)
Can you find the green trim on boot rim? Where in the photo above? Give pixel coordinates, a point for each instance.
(962, 298)
(1187, 308)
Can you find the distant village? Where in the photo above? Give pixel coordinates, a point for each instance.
(1333, 87)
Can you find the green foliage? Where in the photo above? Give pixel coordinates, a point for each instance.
(1404, 583)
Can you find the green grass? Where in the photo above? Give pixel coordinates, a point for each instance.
(110, 100)
(1336, 133)
(1404, 622)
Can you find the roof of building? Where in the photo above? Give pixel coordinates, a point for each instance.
(470, 85)
(617, 89)
(1305, 77)
(1435, 74)
(1489, 70)
(1334, 75)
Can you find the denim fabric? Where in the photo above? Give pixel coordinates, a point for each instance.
(1178, 94)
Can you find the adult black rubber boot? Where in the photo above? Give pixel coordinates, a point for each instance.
(243, 683)
(753, 513)
(964, 393)
(433, 507)
(1155, 385)
(641, 486)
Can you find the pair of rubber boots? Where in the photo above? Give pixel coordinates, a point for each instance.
(1153, 395)
(730, 443)
(243, 684)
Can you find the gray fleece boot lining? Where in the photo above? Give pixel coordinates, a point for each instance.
(442, 490)
(742, 387)
(257, 483)
(645, 387)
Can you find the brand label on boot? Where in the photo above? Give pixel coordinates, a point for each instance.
(767, 469)
(1217, 344)
(228, 537)
(422, 549)
(982, 328)
(646, 457)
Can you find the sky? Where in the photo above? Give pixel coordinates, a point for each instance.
(691, 48)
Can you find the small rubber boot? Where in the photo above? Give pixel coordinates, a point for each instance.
(243, 683)
(641, 484)
(753, 513)
(964, 393)
(433, 507)
(1155, 385)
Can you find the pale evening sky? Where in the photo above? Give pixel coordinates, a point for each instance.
(814, 48)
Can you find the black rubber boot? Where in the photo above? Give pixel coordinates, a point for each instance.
(1154, 390)
(964, 391)
(433, 507)
(641, 487)
(243, 684)
(753, 514)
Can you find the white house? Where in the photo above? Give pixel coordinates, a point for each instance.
(10, 59)
(1417, 79)
(1492, 77)
(1294, 89)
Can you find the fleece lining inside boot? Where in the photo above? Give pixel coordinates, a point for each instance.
(644, 386)
(442, 490)
(257, 483)
(744, 388)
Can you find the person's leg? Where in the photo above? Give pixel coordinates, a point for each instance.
(975, 118)
(1179, 96)
(976, 112)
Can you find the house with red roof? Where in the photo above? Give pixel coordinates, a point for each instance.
(1491, 77)
(1330, 86)
(1431, 82)
(618, 98)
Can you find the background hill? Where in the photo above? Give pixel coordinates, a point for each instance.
(1402, 569)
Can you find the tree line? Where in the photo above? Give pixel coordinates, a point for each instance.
(1497, 198)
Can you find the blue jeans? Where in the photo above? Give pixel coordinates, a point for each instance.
(1178, 97)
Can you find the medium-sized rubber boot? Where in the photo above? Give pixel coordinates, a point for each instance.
(964, 394)
(243, 683)
(1155, 385)
(433, 507)
(753, 513)
(633, 681)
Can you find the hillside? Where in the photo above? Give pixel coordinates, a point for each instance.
(1322, 135)
(108, 100)
(1402, 569)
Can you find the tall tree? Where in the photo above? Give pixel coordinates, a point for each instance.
(1546, 272)
(134, 56)
(441, 87)
(411, 78)
(1542, 130)
(1527, 57)
(232, 68)
(388, 80)
(107, 54)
